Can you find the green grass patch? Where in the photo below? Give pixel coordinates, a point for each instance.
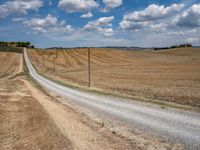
(11, 49)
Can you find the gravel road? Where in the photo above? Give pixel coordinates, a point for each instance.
(175, 125)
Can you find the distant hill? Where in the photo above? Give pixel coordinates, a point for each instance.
(111, 47)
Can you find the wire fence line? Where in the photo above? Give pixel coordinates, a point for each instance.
(162, 74)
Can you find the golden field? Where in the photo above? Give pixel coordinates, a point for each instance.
(168, 75)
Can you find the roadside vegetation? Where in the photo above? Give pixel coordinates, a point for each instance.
(16, 44)
(16, 47)
(11, 49)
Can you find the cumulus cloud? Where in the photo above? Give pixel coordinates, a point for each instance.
(106, 31)
(101, 25)
(182, 32)
(63, 29)
(87, 15)
(47, 24)
(19, 7)
(41, 22)
(153, 12)
(161, 27)
(192, 40)
(128, 25)
(110, 4)
(189, 18)
(104, 21)
(71, 6)
(140, 19)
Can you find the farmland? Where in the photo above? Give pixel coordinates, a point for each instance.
(24, 122)
(168, 75)
(31, 119)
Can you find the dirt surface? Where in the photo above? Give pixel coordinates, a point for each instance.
(10, 64)
(24, 124)
(83, 131)
(30, 119)
(154, 75)
(91, 132)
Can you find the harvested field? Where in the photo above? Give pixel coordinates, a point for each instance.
(10, 64)
(167, 75)
(24, 124)
(31, 119)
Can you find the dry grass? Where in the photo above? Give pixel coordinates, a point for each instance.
(168, 75)
(9, 63)
(24, 124)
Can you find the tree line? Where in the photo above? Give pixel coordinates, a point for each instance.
(17, 44)
(174, 46)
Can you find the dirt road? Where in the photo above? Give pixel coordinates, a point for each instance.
(169, 123)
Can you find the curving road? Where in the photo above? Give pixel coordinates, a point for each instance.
(176, 125)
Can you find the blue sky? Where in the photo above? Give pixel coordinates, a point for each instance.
(80, 23)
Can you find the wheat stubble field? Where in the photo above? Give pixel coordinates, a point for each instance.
(24, 124)
(32, 119)
(169, 75)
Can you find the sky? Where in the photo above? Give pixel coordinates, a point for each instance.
(95, 23)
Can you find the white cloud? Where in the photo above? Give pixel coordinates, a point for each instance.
(42, 22)
(106, 31)
(39, 30)
(161, 27)
(110, 4)
(189, 18)
(104, 21)
(192, 40)
(63, 29)
(87, 15)
(153, 12)
(47, 24)
(182, 32)
(62, 22)
(140, 19)
(71, 6)
(101, 25)
(19, 7)
(128, 25)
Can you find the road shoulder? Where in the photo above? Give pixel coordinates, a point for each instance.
(93, 133)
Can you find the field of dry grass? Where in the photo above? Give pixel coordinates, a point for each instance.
(30, 119)
(167, 75)
(24, 124)
(9, 63)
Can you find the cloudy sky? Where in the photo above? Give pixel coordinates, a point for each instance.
(72, 23)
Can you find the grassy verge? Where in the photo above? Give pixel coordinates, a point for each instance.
(11, 49)
(33, 81)
(160, 103)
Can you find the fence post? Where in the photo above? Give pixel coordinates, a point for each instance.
(54, 64)
(89, 67)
